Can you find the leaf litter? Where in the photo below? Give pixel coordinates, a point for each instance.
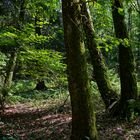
(26, 122)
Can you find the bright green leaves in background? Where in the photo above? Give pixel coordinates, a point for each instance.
(121, 11)
(41, 63)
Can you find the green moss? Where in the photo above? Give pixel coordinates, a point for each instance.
(79, 86)
(100, 69)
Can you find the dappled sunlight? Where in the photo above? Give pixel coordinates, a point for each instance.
(29, 123)
(26, 122)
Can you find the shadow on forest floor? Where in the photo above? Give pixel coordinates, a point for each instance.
(28, 123)
(25, 122)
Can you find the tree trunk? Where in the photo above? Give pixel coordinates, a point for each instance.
(10, 69)
(100, 70)
(13, 58)
(83, 116)
(126, 58)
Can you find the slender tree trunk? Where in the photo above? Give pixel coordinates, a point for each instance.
(100, 70)
(13, 58)
(126, 58)
(138, 50)
(10, 69)
(20, 21)
(83, 117)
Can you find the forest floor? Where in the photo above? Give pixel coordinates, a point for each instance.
(27, 122)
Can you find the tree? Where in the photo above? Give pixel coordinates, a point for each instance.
(9, 44)
(83, 117)
(10, 69)
(100, 70)
(126, 58)
(40, 82)
(41, 66)
(12, 46)
(134, 30)
(38, 29)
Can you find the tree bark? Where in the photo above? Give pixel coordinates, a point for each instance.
(83, 116)
(100, 70)
(126, 58)
(10, 69)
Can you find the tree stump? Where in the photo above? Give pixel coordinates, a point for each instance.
(41, 85)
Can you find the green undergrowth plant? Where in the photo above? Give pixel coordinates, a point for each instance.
(133, 108)
(35, 96)
(115, 81)
(114, 78)
(22, 91)
(22, 86)
(97, 100)
(54, 102)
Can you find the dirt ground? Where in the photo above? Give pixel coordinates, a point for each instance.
(24, 122)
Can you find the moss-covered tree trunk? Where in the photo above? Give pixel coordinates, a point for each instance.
(10, 69)
(100, 70)
(126, 58)
(83, 117)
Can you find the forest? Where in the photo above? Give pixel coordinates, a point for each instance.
(69, 69)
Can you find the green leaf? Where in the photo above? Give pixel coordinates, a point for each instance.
(97, 5)
(126, 42)
(121, 11)
(106, 49)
